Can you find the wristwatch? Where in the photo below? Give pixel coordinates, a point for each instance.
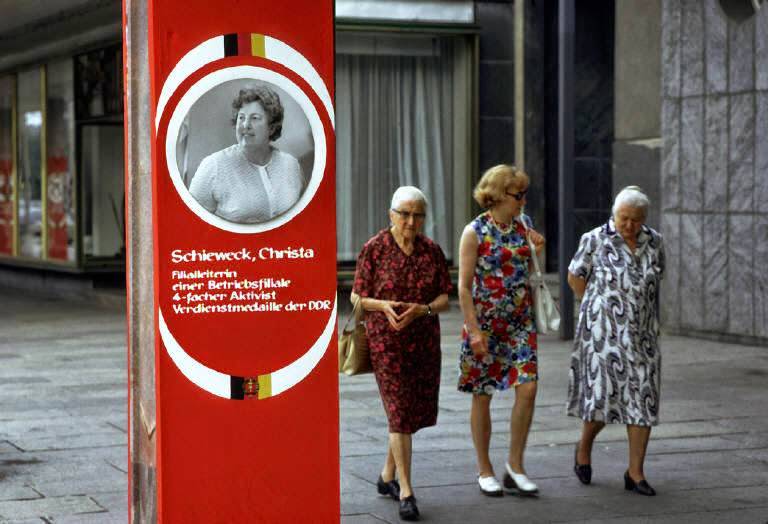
(429, 310)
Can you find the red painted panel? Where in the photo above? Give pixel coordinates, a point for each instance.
(245, 262)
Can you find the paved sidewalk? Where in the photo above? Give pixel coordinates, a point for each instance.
(63, 440)
(63, 435)
(708, 459)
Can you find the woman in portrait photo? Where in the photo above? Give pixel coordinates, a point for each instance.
(499, 339)
(402, 279)
(251, 181)
(615, 372)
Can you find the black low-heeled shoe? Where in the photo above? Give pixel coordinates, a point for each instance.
(583, 471)
(388, 489)
(642, 487)
(408, 509)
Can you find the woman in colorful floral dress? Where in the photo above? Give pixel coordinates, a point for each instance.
(615, 375)
(403, 281)
(499, 337)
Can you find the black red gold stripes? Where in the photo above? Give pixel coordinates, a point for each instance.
(246, 44)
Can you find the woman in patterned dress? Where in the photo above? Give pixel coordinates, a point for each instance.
(402, 278)
(499, 336)
(616, 364)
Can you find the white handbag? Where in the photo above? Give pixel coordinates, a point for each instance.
(545, 311)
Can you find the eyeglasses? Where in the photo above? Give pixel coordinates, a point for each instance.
(517, 196)
(405, 215)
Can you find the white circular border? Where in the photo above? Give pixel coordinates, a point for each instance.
(204, 85)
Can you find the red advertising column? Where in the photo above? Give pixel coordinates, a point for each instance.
(245, 260)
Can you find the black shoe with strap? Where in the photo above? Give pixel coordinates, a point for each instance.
(408, 509)
(642, 487)
(583, 471)
(388, 489)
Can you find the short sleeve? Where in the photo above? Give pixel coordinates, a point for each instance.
(581, 264)
(202, 184)
(443, 279)
(364, 272)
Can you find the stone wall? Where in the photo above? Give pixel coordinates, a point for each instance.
(714, 176)
(637, 143)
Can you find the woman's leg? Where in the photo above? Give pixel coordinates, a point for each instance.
(480, 422)
(520, 424)
(388, 471)
(400, 448)
(638, 443)
(589, 431)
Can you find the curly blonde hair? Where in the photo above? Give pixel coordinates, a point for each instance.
(495, 182)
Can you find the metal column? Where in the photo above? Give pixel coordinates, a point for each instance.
(565, 143)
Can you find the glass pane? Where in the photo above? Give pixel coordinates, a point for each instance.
(6, 165)
(30, 122)
(60, 181)
(102, 180)
(100, 83)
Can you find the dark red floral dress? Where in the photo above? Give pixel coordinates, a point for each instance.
(406, 363)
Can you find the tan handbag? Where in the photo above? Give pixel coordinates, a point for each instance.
(354, 358)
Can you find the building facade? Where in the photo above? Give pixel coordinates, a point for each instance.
(714, 176)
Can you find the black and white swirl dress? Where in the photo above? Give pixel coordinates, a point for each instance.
(615, 374)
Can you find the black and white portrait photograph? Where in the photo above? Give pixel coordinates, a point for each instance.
(245, 151)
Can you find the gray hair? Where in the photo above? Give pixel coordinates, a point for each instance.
(631, 196)
(408, 194)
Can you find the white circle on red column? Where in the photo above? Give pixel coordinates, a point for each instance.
(211, 81)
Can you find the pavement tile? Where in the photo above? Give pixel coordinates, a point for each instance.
(7, 447)
(86, 440)
(69, 505)
(16, 492)
(362, 519)
(757, 515)
(115, 502)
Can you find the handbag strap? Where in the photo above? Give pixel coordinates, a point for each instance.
(536, 266)
(355, 309)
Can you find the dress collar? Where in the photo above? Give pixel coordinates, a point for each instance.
(609, 228)
(506, 228)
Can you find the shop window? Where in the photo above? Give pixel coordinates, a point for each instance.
(396, 100)
(7, 166)
(30, 125)
(60, 164)
(101, 168)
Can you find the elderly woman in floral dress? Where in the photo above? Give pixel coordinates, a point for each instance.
(615, 371)
(402, 278)
(499, 337)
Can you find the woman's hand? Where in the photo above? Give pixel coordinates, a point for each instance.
(388, 308)
(412, 312)
(479, 344)
(537, 240)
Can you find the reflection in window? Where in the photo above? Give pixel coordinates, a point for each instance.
(6, 165)
(29, 151)
(60, 202)
(99, 83)
(102, 181)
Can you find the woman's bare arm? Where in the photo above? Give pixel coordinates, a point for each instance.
(578, 284)
(467, 262)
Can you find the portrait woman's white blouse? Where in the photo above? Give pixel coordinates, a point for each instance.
(233, 188)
